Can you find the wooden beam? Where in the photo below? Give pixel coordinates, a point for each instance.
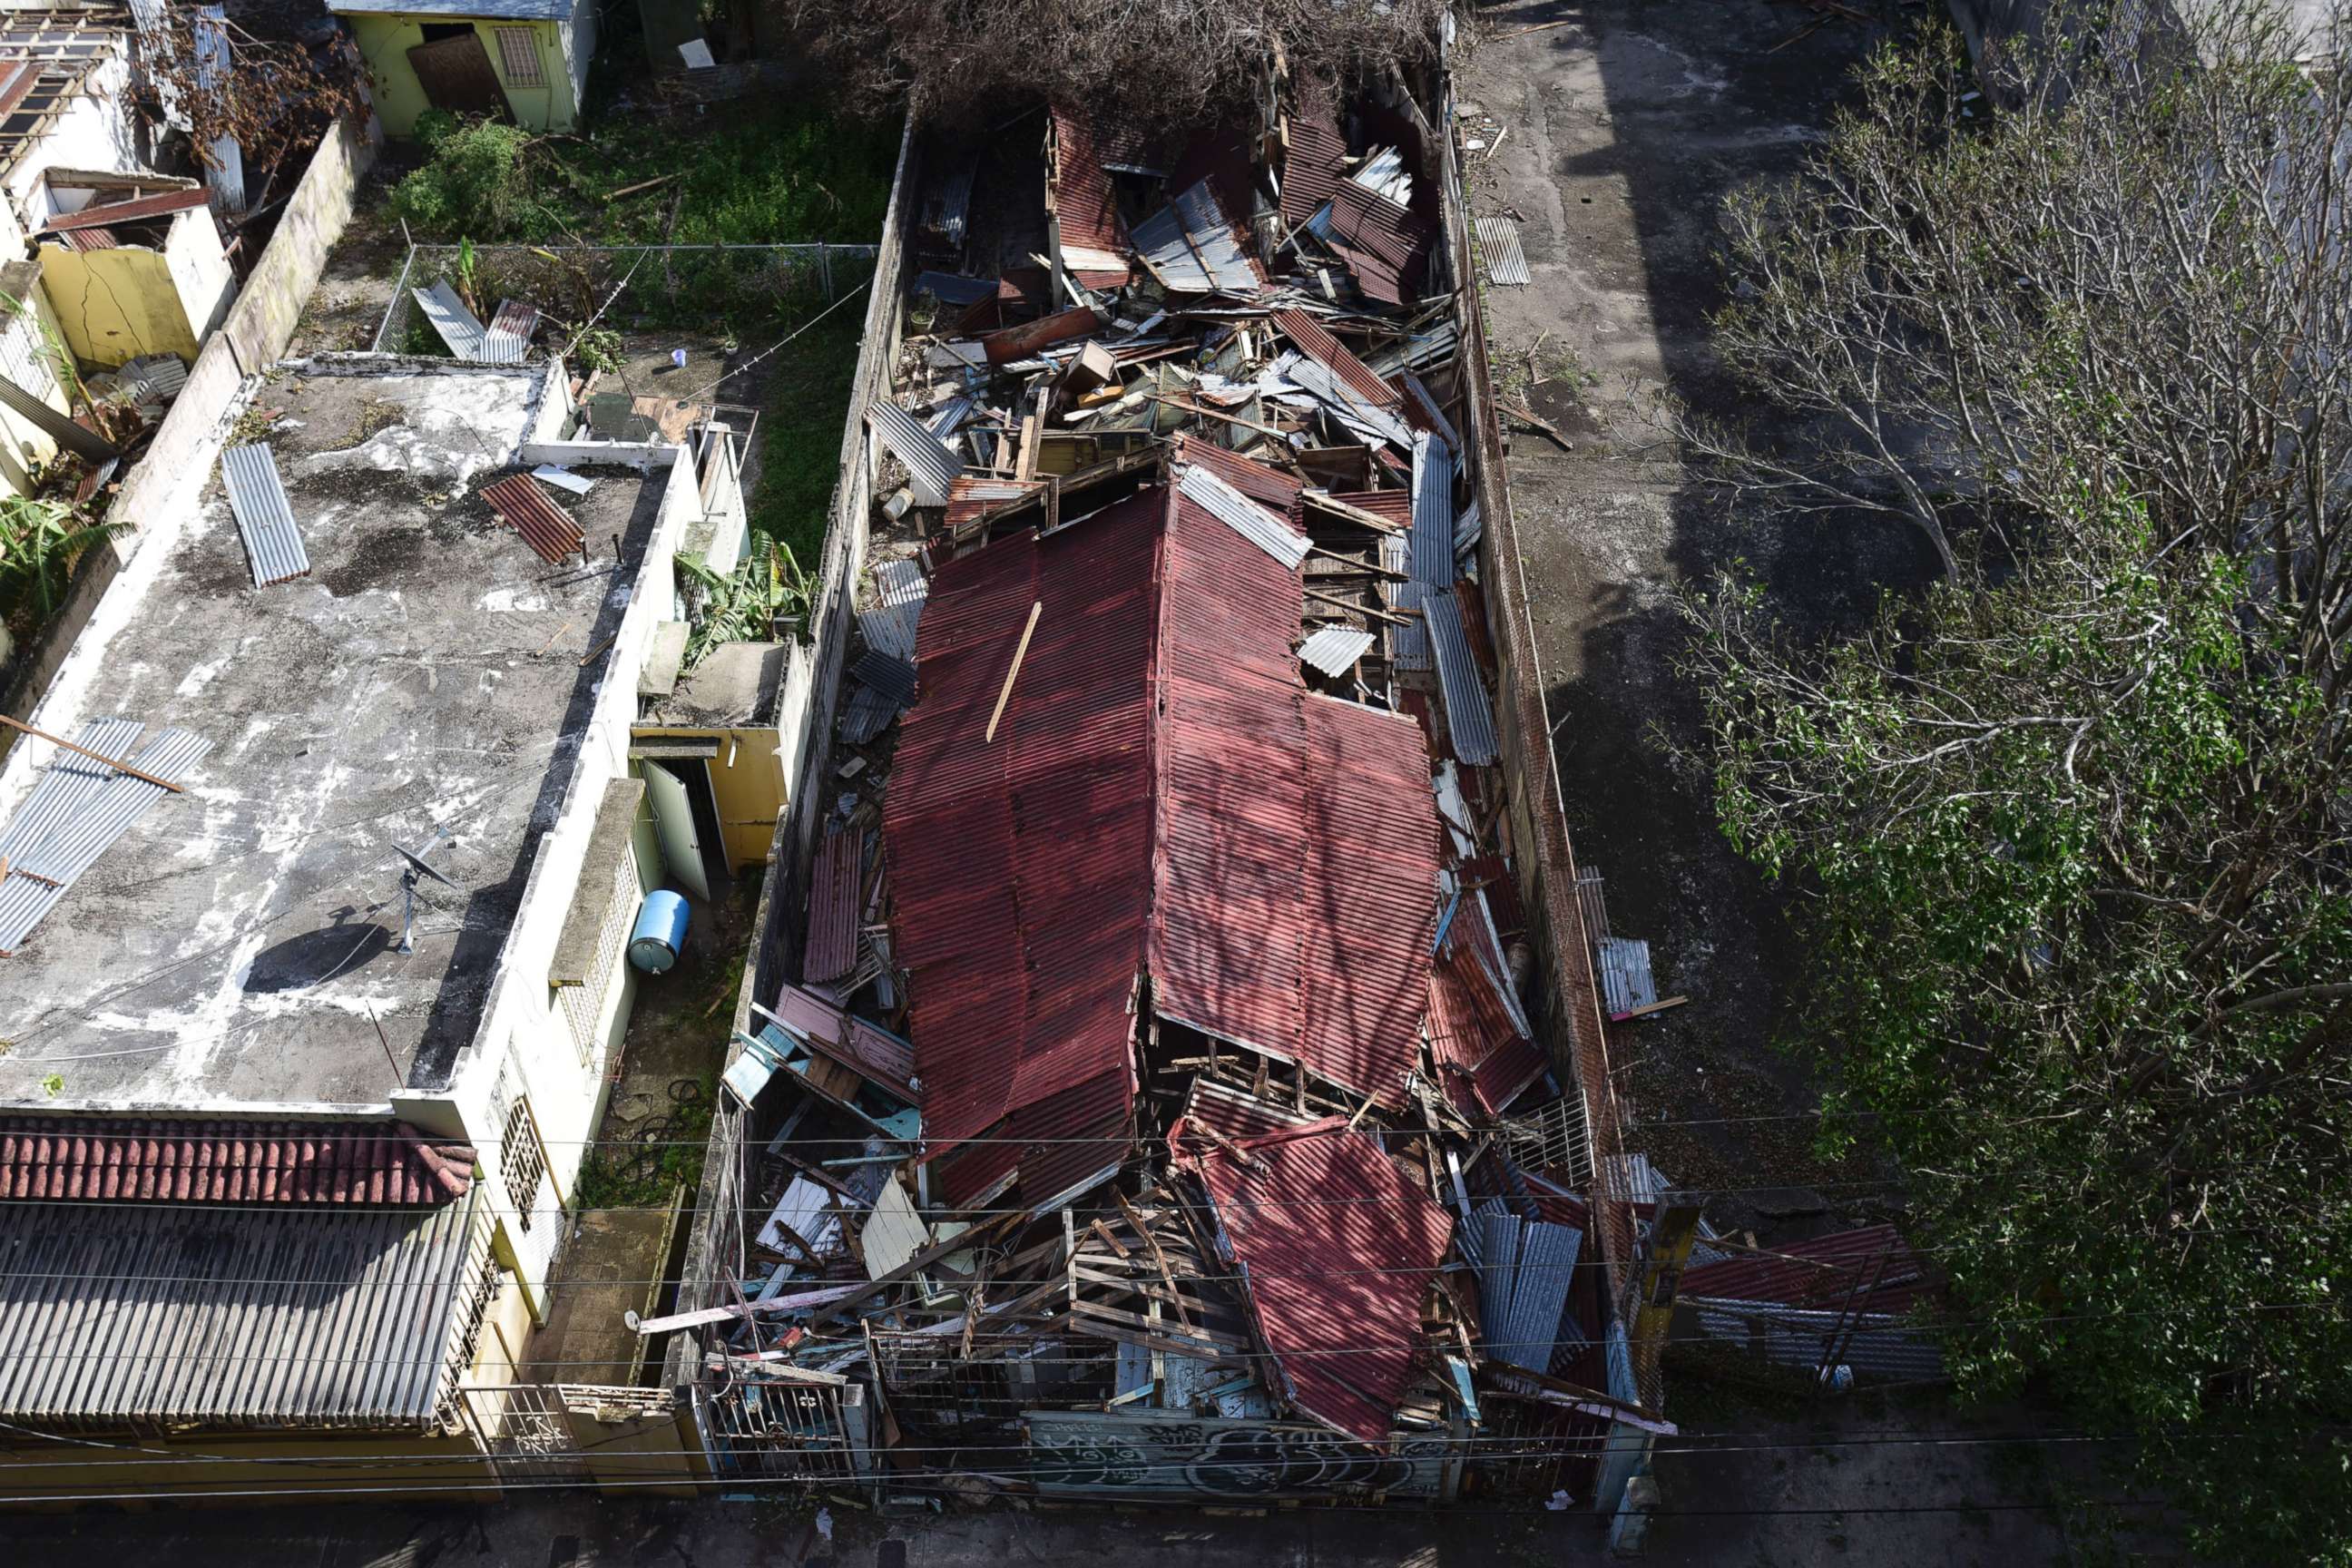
(1647, 1008)
(1357, 609)
(119, 765)
(1019, 654)
(1355, 514)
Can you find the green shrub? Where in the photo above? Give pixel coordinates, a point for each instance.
(474, 180)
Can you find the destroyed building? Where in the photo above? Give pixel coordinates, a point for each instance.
(1171, 1063)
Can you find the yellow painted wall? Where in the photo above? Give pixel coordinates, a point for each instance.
(384, 42)
(116, 305)
(751, 793)
(333, 1461)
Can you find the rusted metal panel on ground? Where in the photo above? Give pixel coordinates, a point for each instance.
(545, 526)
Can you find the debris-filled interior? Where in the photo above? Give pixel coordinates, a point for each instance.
(1157, 1104)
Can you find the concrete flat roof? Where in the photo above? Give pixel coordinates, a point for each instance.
(239, 946)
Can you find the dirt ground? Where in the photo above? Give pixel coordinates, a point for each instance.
(1612, 140)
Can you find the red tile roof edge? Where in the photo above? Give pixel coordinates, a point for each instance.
(138, 1160)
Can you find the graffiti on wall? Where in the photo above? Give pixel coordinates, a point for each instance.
(1085, 1451)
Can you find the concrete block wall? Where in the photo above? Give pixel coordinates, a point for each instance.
(180, 457)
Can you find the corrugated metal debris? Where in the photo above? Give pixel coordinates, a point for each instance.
(546, 527)
(931, 463)
(507, 337)
(78, 811)
(1507, 263)
(1334, 651)
(265, 519)
(459, 328)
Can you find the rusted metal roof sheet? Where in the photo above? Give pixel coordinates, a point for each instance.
(545, 526)
(61, 1159)
(1298, 847)
(1085, 208)
(1386, 246)
(1483, 1060)
(1822, 1272)
(830, 951)
(1021, 865)
(1272, 854)
(972, 497)
(858, 1043)
(1270, 486)
(137, 209)
(90, 239)
(1312, 339)
(1338, 1247)
(1311, 169)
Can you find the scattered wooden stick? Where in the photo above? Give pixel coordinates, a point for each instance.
(1019, 653)
(1526, 417)
(1645, 1011)
(640, 185)
(115, 763)
(1539, 27)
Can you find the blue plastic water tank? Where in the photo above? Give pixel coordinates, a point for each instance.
(660, 932)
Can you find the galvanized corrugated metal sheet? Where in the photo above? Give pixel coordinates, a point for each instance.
(1311, 338)
(1524, 1269)
(1336, 1246)
(891, 626)
(545, 526)
(1469, 715)
(1334, 651)
(74, 844)
(1431, 559)
(347, 1318)
(69, 783)
(458, 327)
(265, 519)
(1507, 263)
(830, 950)
(1625, 978)
(142, 1160)
(1190, 245)
(1873, 1345)
(507, 337)
(1242, 515)
(1311, 167)
(931, 464)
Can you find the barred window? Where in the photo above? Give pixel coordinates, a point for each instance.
(522, 1159)
(518, 53)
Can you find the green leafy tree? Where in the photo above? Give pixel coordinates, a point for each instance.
(2074, 828)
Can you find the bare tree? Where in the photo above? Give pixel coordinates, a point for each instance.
(1168, 62)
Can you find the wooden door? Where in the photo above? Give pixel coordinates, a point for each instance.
(457, 76)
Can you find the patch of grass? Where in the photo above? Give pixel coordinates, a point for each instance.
(800, 433)
(626, 1177)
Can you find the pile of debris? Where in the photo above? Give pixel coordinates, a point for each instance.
(1158, 1106)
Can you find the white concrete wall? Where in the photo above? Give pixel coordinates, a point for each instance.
(200, 270)
(524, 1030)
(94, 131)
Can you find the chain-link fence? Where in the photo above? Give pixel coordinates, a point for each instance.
(740, 291)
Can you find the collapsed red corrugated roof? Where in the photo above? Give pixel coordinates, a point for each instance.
(1386, 246)
(1337, 1246)
(1313, 339)
(1020, 867)
(127, 1160)
(1823, 1272)
(1164, 793)
(1311, 167)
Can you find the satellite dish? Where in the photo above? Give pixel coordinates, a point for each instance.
(417, 871)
